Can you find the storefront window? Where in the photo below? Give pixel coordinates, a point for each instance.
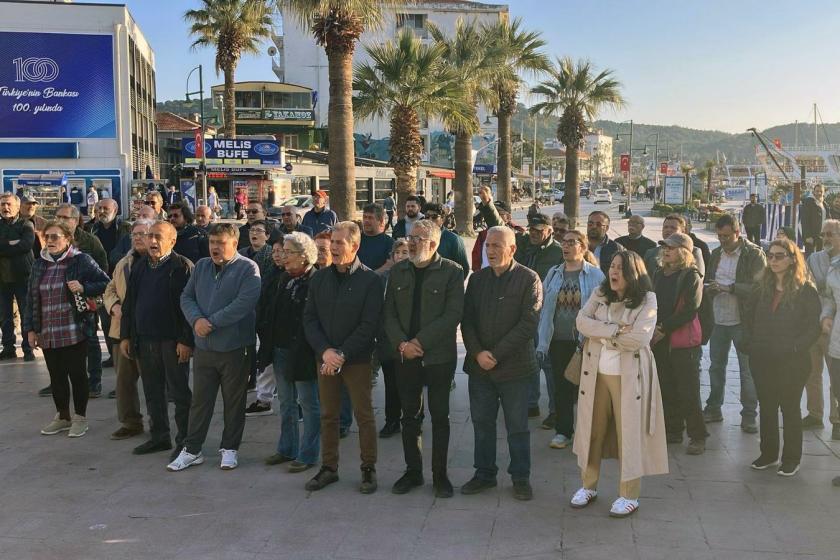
(248, 99)
(287, 100)
(381, 189)
(362, 194)
(301, 185)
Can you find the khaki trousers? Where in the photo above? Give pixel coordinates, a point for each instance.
(356, 377)
(815, 399)
(128, 400)
(606, 411)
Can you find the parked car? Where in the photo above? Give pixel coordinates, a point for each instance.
(301, 202)
(603, 195)
(584, 191)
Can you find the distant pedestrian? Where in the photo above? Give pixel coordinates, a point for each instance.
(17, 237)
(634, 240)
(389, 205)
(319, 218)
(412, 207)
(754, 216)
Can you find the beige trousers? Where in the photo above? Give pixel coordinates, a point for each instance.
(815, 400)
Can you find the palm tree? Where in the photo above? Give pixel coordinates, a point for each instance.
(407, 79)
(516, 51)
(234, 28)
(467, 53)
(576, 93)
(337, 26)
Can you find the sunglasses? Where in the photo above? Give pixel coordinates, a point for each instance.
(432, 216)
(777, 256)
(285, 213)
(252, 211)
(53, 237)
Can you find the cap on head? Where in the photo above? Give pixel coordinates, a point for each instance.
(679, 240)
(538, 220)
(320, 194)
(29, 198)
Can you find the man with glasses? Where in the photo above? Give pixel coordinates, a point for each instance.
(733, 271)
(634, 240)
(673, 223)
(17, 236)
(819, 263)
(319, 218)
(154, 331)
(192, 241)
(90, 244)
(451, 245)
(155, 200)
(259, 250)
(600, 244)
(254, 212)
(560, 225)
(423, 306)
(289, 222)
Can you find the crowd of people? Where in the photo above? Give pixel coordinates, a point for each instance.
(309, 310)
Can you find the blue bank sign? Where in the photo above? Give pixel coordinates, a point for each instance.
(56, 85)
(219, 151)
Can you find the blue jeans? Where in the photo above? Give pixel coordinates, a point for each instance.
(723, 337)
(8, 293)
(534, 386)
(290, 393)
(485, 397)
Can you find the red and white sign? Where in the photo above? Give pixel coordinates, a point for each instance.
(625, 162)
(663, 167)
(199, 143)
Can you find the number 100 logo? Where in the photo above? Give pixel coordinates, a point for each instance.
(34, 69)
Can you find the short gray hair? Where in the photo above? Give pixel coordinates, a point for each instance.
(303, 243)
(73, 209)
(142, 222)
(430, 228)
(509, 235)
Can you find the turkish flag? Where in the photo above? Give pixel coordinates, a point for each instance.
(625, 162)
(199, 143)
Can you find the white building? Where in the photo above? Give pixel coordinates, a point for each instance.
(599, 147)
(297, 59)
(77, 99)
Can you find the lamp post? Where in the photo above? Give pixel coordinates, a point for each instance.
(627, 212)
(655, 161)
(203, 166)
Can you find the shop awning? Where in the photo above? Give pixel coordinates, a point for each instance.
(442, 173)
(42, 180)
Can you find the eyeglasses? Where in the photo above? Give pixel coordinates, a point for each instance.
(138, 234)
(257, 230)
(569, 242)
(252, 211)
(149, 202)
(777, 256)
(416, 239)
(57, 217)
(285, 213)
(155, 236)
(53, 237)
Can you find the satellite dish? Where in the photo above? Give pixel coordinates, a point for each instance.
(272, 51)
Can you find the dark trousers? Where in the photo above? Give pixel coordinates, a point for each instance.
(393, 408)
(94, 361)
(565, 392)
(390, 224)
(412, 376)
(485, 397)
(754, 234)
(679, 382)
(779, 382)
(8, 294)
(356, 377)
(162, 375)
(211, 370)
(817, 245)
(63, 364)
(105, 317)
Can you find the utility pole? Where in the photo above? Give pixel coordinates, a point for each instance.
(200, 92)
(628, 213)
(534, 160)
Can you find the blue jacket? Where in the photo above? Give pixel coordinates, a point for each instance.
(452, 248)
(228, 300)
(590, 278)
(319, 221)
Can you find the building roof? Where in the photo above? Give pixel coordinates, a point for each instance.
(170, 122)
(464, 4)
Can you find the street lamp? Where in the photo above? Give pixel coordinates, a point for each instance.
(203, 166)
(627, 212)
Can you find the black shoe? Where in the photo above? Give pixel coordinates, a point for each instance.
(533, 412)
(112, 394)
(343, 433)
(763, 463)
(8, 354)
(408, 481)
(788, 469)
(812, 422)
(443, 488)
(549, 423)
(711, 416)
(324, 477)
(153, 446)
(108, 363)
(835, 432)
(522, 490)
(749, 427)
(46, 391)
(28, 356)
(95, 393)
(368, 485)
(835, 481)
(476, 485)
(389, 429)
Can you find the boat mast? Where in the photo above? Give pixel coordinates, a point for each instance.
(816, 130)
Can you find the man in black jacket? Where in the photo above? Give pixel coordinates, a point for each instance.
(634, 240)
(192, 241)
(17, 236)
(341, 320)
(599, 242)
(754, 216)
(154, 329)
(501, 310)
(814, 212)
(423, 306)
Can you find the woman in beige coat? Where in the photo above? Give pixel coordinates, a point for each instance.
(619, 404)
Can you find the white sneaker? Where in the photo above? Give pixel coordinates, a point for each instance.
(559, 442)
(583, 498)
(185, 460)
(623, 507)
(229, 459)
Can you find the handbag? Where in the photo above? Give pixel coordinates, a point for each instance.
(689, 335)
(572, 371)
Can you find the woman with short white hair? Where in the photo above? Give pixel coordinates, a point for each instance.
(283, 343)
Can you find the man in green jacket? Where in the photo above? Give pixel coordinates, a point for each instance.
(423, 305)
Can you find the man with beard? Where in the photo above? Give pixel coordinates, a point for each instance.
(634, 240)
(319, 218)
(17, 236)
(289, 222)
(402, 228)
(423, 305)
(192, 241)
(600, 244)
(560, 226)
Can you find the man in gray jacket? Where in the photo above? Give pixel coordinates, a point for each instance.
(220, 302)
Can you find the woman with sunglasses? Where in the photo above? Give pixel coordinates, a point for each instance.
(61, 280)
(780, 329)
(619, 405)
(567, 287)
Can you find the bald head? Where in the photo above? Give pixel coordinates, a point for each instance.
(500, 246)
(203, 216)
(635, 225)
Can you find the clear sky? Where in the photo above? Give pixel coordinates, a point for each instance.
(708, 64)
